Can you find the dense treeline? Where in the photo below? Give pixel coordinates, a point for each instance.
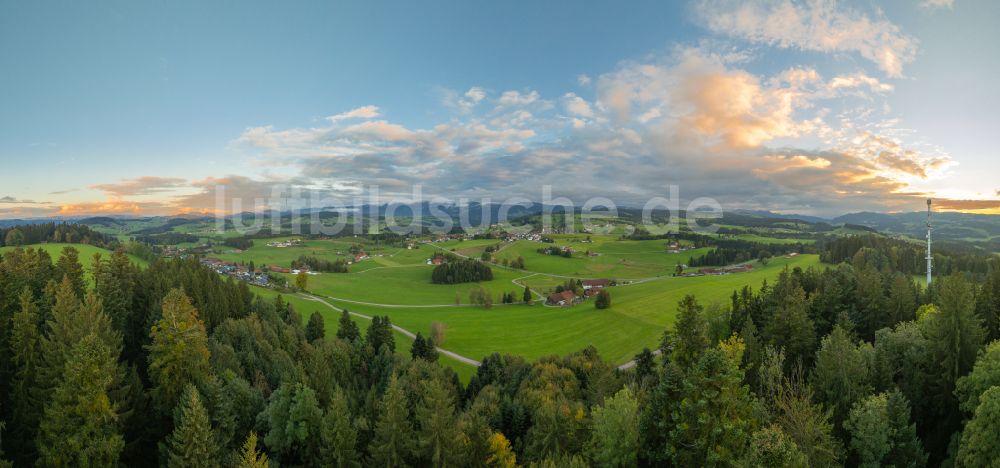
(730, 251)
(318, 264)
(166, 238)
(172, 365)
(54, 232)
(907, 256)
(461, 270)
(241, 243)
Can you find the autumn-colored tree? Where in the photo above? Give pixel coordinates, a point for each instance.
(302, 280)
(501, 455)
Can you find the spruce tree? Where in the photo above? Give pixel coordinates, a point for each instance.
(347, 330)
(527, 297)
(339, 435)
(69, 266)
(690, 332)
(315, 327)
(25, 342)
(249, 456)
(70, 322)
(419, 348)
(191, 444)
(178, 354)
(394, 439)
(954, 337)
(439, 431)
(80, 424)
(841, 376)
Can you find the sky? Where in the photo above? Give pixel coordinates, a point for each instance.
(818, 107)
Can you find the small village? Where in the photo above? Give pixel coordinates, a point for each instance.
(238, 271)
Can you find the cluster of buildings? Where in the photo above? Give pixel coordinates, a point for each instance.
(726, 270)
(235, 270)
(285, 243)
(590, 289)
(674, 247)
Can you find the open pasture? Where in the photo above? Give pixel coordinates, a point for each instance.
(636, 319)
(609, 258)
(411, 285)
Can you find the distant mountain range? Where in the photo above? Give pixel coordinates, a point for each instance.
(947, 225)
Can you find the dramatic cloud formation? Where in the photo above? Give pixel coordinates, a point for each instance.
(693, 118)
(708, 117)
(814, 25)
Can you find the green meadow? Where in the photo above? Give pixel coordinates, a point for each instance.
(411, 285)
(614, 259)
(639, 314)
(86, 254)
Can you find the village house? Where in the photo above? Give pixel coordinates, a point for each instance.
(436, 260)
(562, 298)
(600, 283)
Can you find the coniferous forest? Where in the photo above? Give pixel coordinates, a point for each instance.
(172, 365)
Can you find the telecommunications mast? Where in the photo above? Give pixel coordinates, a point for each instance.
(930, 258)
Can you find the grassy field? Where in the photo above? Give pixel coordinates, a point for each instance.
(637, 318)
(86, 254)
(411, 285)
(615, 259)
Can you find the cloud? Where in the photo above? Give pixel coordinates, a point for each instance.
(812, 25)
(366, 112)
(12, 200)
(576, 105)
(859, 80)
(122, 207)
(516, 98)
(145, 185)
(934, 4)
(583, 80)
(706, 102)
(63, 192)
(693, 117)
(702, 117)
(968, 205)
